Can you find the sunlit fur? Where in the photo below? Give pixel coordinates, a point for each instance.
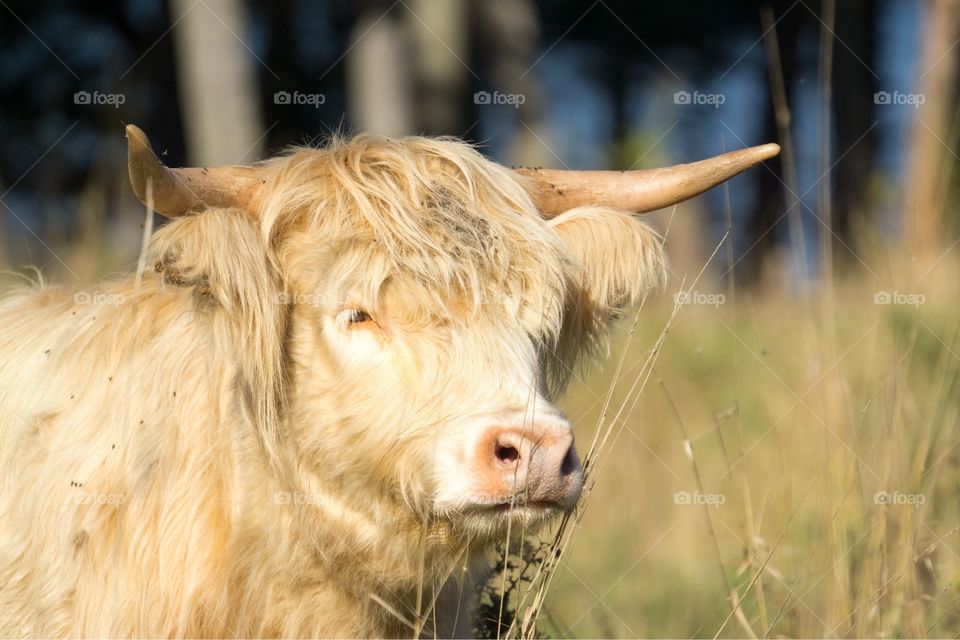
(220, 452)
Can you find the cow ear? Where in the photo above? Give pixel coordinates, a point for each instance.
(616, 261)
(221, 259)
(219, 255)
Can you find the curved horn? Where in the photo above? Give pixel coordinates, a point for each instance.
(180, 191)
(555, 191)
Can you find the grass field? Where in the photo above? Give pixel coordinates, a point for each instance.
(789, 468)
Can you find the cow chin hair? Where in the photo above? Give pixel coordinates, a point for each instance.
(485, 529)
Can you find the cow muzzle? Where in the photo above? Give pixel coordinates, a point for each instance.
(529, 466)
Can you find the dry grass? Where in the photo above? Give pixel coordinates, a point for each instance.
(790, 416)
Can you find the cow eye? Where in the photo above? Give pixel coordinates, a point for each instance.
(350, 318)
(358, 316)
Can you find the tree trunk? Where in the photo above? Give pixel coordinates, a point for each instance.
(378, 73)
(930, 155)
(852, 81)
(219, 91)
(509, 39)
(438, 30)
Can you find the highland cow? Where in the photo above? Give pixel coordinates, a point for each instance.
(327, 400)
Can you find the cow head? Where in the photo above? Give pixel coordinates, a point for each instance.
(437, 301)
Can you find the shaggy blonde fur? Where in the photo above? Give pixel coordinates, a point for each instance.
(219, 452)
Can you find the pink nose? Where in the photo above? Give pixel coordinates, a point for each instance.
(536, 464)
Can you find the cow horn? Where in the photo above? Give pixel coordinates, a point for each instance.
(177, 192)
(555, 191)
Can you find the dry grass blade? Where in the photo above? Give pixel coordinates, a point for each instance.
(776, 544)
(778, 91)
(396, 614)
(147, 233)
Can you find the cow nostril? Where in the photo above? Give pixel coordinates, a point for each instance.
(570, 462)
(507, 453)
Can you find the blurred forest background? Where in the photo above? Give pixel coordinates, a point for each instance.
(570, 83)
(790, 467)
